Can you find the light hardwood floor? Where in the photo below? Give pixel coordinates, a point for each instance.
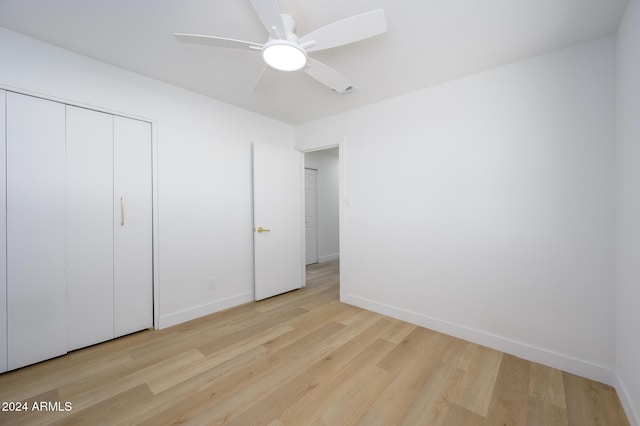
(303, 358)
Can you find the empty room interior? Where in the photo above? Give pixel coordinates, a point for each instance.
(285, 213)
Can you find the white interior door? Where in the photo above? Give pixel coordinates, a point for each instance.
(311, 216)
(277, 214)
(36, 230)
(3, 238)
(89, 227)
(133, 275)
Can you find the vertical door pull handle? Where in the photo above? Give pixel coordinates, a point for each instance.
(122, 210)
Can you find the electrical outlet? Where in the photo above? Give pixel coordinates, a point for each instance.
(212, 283)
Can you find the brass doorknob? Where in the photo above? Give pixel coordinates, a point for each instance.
(260, 230)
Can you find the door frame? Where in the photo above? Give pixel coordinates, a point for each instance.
(343, 202)
(155, 276)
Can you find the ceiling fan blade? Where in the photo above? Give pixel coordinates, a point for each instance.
(327, 76)
(217, 41)
(266, 80)
(269, 13)
(345, 31)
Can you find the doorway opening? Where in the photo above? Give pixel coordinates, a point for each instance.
(322, 210)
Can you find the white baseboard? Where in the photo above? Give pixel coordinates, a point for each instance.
(629, 408)
(205, 309)
(328, 257)
(580, 367)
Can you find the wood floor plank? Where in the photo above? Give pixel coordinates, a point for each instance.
(430, 406)
(476, 388)
(178, 401)
(546, 384)
(262, 387)
(328, 311)
(460, 416)
(342, 364)
(591, 403)
(341, 367)
(226, 397)
(166, 381)
(354, 397)
(392, 404)
(460, 354)
(304, 390)
(250, 331)
(296, 299)
(297, 359)
(96, 388)
(33, 380)
(510, 393)
(542, 412)
(309, 352)
(399, 331)
(415, 343)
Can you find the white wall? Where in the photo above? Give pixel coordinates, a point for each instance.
(628, 213)
(327, 192)
(484, 207)
(204, 168)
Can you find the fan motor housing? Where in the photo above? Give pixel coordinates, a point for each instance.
(288, 22)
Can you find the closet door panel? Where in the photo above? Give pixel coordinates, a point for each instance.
(36, 282)
(89, 227)
(3, 237)
(133, 286)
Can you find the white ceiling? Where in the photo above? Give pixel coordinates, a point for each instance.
(427, 42)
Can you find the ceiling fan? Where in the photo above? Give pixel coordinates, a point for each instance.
(285, 51)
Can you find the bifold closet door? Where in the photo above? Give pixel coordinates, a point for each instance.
(133, 285)
(36, 252)
(3, 236)
(89, 227)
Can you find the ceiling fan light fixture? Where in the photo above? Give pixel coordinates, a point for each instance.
(284, 55)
